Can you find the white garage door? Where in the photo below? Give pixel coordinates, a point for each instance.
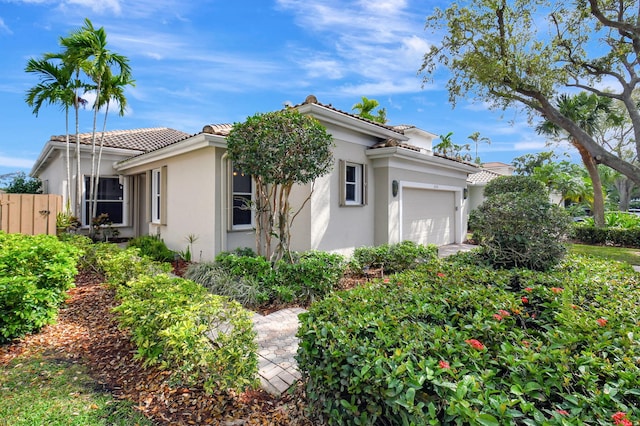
(428, 216)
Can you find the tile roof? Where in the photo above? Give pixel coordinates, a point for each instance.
(145, 140)
(218, 129)
(482, 176)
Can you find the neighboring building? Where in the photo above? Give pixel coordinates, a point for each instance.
(387, 186)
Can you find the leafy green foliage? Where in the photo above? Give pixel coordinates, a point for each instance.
(279, 149)
(152, 247)
(589, 234)
(252, 280)
(35, 273)
(121, 266)
(23, 184)
(455, 342)
(246, 290)
(516, 225)
(170, 320)
(392, 257)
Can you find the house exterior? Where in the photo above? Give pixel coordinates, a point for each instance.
(476, 182)
(386, 186)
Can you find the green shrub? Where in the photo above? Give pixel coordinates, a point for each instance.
(35, 273)
(170, 320)
(244, 266)
(153, 247)
(393, 257)
(617, 236)
(121, 266)
(456, 343)
(615, 219)
(311, 276)
(85, 245)
(247, 291)
(519, 229)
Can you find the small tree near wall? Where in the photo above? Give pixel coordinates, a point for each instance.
(279, 149)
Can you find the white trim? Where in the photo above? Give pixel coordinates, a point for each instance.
(244, 226)
(193, 143)
(156, 196)
(398, 156)
(458, 214)
(358, 184)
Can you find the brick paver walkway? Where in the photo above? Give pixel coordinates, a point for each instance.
(277, 346)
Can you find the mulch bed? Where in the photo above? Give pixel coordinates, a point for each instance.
(86, 332)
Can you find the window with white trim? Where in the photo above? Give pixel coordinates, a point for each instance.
(242, 197)
(110, 199)
(353, 184)
(156, 195)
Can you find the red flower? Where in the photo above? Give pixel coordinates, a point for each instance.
(528, 289)
(620, 418)
(441, 275)
(526, 343)
(562, 412)
(444, 365)
(557, 290)
(525, 300)
(504, 313)
(574, 307)
(386, 280)
(475, 344)
(497, 317)
(602, 322)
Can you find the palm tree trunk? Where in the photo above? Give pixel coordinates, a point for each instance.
(79, 183)
(94, 201)
(67, 158)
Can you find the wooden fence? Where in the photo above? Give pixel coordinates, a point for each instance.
(29, 213)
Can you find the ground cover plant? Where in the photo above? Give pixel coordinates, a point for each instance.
(35, 273)
(619, 254)
(458, 342)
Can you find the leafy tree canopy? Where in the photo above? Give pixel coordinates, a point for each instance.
(281, 147)
(525, 53)
(20, 183)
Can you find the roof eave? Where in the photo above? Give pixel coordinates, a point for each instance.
(195, 142)
(328, 115)
(410, 154)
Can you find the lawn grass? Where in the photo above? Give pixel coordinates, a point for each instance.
(39, 390)
(621, 254)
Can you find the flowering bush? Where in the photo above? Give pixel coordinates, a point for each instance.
(454, 342)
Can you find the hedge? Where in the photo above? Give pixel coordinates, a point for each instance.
(454, 342)
(35, 273)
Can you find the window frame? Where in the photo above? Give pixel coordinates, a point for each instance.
(86, 192)
(156, 196)
(359, 184)
(232, 197)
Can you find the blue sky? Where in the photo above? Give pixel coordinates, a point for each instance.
(219, 61)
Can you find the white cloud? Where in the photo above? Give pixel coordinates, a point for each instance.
(22, 163)
(4, 28)
(97, 6)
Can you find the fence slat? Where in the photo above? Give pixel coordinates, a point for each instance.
(29, 213)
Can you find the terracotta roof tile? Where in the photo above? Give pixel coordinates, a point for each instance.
(218, 129)
(483, 176)
(145, 140)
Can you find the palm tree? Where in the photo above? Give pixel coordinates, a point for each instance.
(475, 137)
(365, 110)
(55, 87)
(112, 91)
(87, 48)
(585, 110)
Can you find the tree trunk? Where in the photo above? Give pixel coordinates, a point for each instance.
(598, 198)
(625, 187)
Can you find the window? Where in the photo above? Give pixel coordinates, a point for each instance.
(353, 184)
(110, 199)
(156, 195)
(242, 196)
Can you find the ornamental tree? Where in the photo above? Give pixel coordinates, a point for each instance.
(279, 149)
(526, 53)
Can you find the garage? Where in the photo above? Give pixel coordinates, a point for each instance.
(428, 216)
